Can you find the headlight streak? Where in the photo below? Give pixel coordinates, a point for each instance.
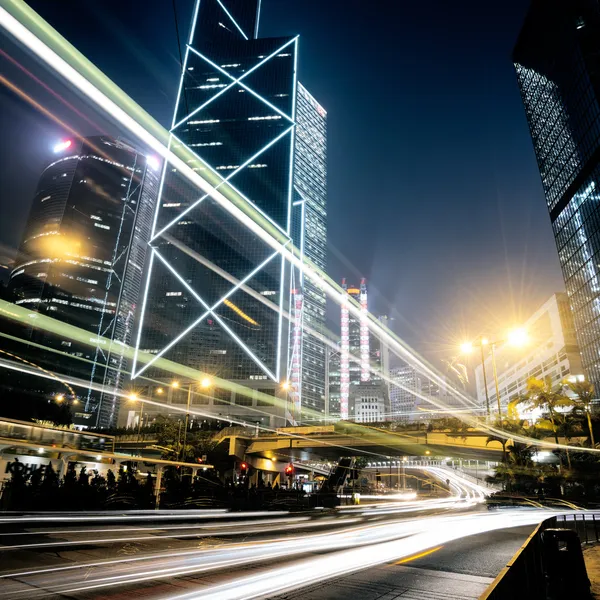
(245, 553)
(309, 571)
(371, 536)
(158, 536)
(208, 514)
(165, 528)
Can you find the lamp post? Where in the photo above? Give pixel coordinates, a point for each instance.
(205, 383)
(517, 338)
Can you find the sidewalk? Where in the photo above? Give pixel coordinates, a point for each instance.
(591, 555)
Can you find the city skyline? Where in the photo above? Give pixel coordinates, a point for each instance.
(458, 281)
(263, 239)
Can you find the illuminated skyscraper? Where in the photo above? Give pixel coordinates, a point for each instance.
(557, 65)
(82, 256)
(219, 298)
(355, 359)
(309, 226)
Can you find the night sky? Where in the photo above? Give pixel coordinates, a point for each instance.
(434, 194)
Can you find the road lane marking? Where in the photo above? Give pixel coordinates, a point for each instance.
(420, 555)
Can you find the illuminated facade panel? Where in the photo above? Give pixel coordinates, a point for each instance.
(557, 66)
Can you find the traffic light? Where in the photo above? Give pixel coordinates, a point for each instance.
(243, 468)
(289, 470)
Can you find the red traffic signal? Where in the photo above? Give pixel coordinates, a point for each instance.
(289, 470)
(244, 468)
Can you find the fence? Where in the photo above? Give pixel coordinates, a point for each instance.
(525, 576)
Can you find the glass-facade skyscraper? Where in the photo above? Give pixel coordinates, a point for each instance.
(309, 227)
(557, 60)
(220, 299)
(82, 257)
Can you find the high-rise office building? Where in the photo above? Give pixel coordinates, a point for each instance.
(82, 256)
(219, 298)
(414, 397)
(354, 342)
(357, 371)
(309, 225)
(557, 66)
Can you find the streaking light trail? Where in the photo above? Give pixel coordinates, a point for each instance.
(34, 33)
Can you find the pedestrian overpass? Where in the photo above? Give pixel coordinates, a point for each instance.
(359, 440)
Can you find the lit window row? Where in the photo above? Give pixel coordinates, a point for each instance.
(39, 235)
(210, 86)
(204, 122)
(267, 118)
(205, 144)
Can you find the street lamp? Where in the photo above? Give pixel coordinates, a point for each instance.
(517, 338)
(467, 348)
(205, 383)
(59, 398)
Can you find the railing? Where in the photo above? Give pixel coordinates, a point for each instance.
(248, 432)
(134, 437)
(473, 479)
(33, 433)
(525, 575)
(585, 525)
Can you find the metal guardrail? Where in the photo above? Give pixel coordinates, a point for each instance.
(525, 574)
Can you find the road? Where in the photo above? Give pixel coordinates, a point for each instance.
(451, 547)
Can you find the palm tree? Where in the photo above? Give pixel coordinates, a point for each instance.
(566, 426)
(542, 395)
(584, 390)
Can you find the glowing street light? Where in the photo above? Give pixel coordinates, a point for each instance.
(175, 384)
(59, 398)
(133, 397)
(517, 337)
(466, 347)
(285, 385)
(205, 382)
(160, 391)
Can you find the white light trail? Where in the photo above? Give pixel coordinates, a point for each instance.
(437, 531)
